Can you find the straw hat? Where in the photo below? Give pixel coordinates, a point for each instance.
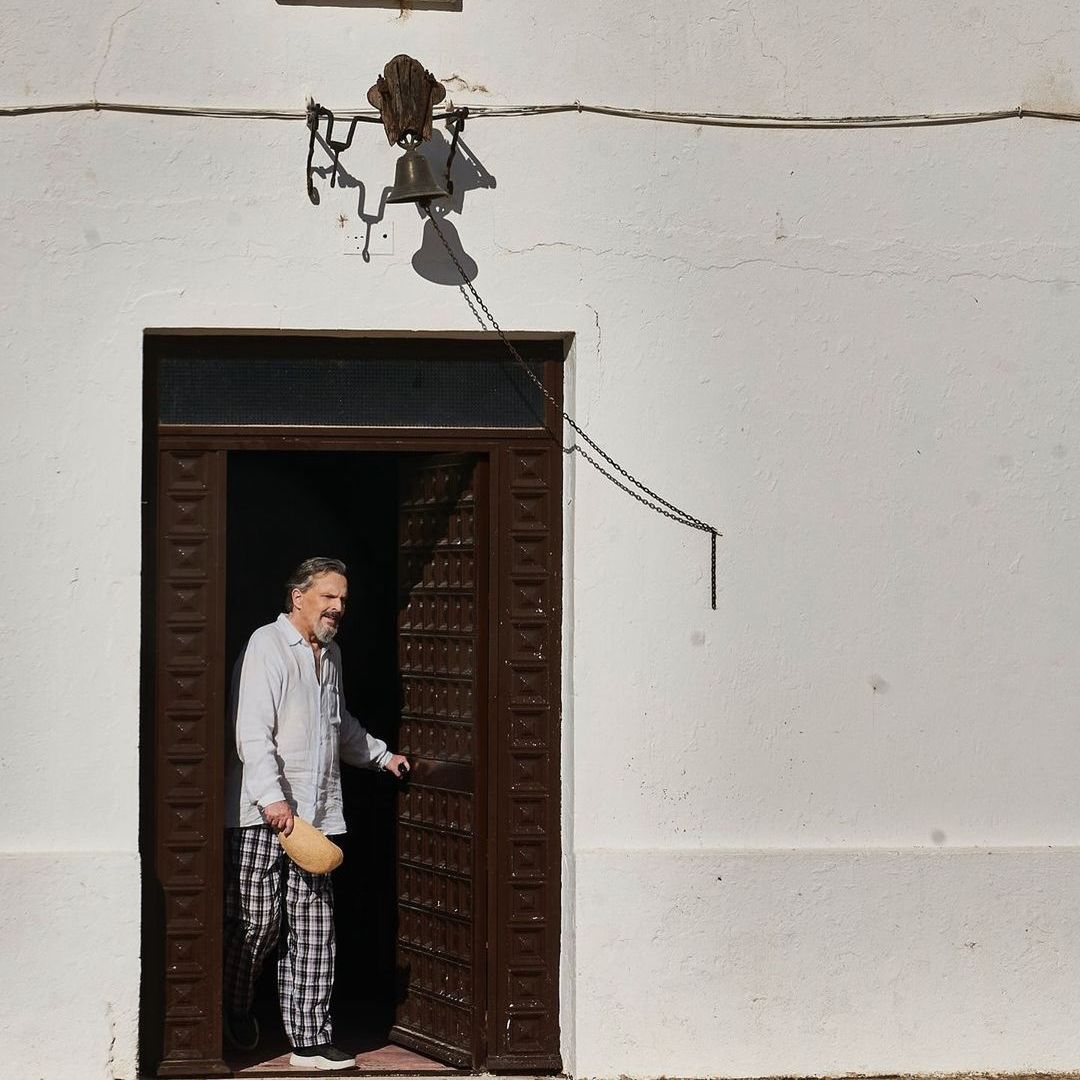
(310, 849)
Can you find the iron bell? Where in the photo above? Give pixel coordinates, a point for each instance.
(413, 181)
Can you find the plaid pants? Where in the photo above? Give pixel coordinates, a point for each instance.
(257, 874)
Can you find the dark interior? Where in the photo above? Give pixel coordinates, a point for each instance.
(284, 507)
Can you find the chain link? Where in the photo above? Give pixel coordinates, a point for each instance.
(644, 494)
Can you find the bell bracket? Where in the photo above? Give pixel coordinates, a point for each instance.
(404, 96)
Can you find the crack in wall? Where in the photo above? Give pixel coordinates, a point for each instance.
(110, 1059)
(756, 34)
(599, 353)
(1045, 40)
(455, 82)
(108, 46)
(886, 272)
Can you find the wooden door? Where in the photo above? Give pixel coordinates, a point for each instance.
(442, 560)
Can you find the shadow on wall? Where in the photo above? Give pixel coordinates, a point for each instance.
(431, 260)
(467, 173)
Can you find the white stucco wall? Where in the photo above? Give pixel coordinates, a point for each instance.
(832, 826)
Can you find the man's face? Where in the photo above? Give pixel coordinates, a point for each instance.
(319, 611)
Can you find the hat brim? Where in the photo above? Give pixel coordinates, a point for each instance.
(310, 849)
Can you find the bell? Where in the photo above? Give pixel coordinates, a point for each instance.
(413, 181)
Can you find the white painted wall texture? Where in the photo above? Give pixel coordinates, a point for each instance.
(833, 826)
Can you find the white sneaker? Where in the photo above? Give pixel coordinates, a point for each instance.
(324, 1056)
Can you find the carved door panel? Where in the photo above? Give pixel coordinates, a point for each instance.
(523, 1002)
(189, 710)
(442, 561)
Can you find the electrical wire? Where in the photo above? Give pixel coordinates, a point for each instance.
(481, 112)
(222, 113)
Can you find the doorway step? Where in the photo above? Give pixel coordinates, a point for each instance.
(386, 1060)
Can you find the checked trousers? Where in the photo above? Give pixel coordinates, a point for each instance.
(270, 901)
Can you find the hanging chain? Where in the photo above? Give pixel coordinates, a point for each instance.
(644, 494)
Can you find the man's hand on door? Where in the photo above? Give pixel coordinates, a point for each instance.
(398, 765)
(279, 816)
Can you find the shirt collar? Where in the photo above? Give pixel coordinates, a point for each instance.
(292, 635)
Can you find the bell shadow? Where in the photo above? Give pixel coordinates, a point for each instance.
(467, 173)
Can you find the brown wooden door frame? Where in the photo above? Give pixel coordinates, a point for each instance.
(183, 710)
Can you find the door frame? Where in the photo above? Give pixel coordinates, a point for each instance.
(180, 996)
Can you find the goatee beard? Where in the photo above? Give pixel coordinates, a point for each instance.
(325, 632)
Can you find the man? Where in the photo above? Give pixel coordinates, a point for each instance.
(292, 731)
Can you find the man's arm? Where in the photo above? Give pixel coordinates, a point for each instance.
(355, 745)
(359, 747)
(257, 701)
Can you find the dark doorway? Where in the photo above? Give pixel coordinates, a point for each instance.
(282, 508)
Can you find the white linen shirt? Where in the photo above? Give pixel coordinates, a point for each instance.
(293, 731)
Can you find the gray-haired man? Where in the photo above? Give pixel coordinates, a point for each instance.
(292, 732)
